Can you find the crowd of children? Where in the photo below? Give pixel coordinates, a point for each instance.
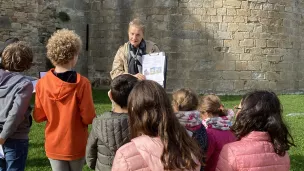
(144, 130)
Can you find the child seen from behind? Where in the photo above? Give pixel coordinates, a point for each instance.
(217, 121)
(64, 100)
(110, 130)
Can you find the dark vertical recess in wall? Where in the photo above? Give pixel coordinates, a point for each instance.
(87, 37)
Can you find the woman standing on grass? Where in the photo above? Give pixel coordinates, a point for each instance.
(263, 138)
(129, 56)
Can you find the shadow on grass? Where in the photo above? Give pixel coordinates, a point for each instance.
(297, 162)
(101, 96)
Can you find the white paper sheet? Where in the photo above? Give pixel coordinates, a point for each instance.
(42, 74)
(154, 67)
(34, 85)
(1, 152)
(34, 82)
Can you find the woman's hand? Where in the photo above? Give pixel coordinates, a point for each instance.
(140, 76)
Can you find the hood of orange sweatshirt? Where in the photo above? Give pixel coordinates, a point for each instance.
(58, 89)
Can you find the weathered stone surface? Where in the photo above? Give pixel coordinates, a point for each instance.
(225, 46)
(231, 75)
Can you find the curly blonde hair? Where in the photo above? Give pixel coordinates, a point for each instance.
(185, 99)
(17, 57)
(63, 46)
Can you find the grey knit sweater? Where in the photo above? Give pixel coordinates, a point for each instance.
(15, 111)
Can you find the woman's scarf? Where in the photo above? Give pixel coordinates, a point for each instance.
(135, 57)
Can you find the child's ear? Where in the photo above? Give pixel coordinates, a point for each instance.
(110, 95)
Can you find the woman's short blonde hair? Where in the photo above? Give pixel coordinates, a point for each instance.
(63, 46)
(17, 57)
(137, 23)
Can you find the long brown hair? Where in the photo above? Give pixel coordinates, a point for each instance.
(262, 111)
(151, 114)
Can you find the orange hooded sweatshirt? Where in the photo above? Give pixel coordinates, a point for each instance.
(68, 109)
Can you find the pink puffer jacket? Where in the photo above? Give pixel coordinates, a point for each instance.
(253, 152)
(142, 153)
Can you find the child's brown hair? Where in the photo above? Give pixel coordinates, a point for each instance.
(185, 99)
(212, 105)
(17, 57)
(150, 113)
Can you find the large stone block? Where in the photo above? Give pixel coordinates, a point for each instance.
(239, 85)
(241, 35)
(231, 57)
(246, 27)
(223, 35)
(274, 58)
(216, 19)
(246, 57)
(228, 19)
(205, 86)
(221, 11)
(213, 75)
(225, 65)
(231, 11)
(272, 76)
(211, 11)
(232, 4)
(246, 43)
(272, 43)
(233, 27)
(258, 75)
(242, 12)
(218, 3)
(231, 75)
(241, 65)
(260, 43)
(223, 85)
(254, 65)
(16, 26)
(169, 3)
(245, 75)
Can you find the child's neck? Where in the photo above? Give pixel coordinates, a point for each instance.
(118, 109)
(62, 68)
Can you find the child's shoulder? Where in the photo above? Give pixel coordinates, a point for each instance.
(83, 78)
(104, 115)
(110, 116)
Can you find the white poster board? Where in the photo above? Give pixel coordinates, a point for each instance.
(154, 67)
(34, 82)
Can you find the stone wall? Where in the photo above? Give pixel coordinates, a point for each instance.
(222, 46)
(31, 21)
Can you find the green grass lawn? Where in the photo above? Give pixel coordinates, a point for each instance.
(37, 160)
